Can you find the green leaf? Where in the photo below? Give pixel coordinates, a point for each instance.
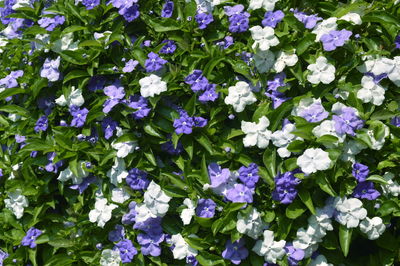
(10, 92)
(162, 24)
(324, 184)
(75, 74)
(92, 43)
(205, 142)
(305, 43)
(382, 115)
(60, 259)
(261, 110)
(327, 139)
(204, 171)
(296, 146)
(377, 179)
(208, 259)
(345, 239)
(381, 17)
(295, 209)
(61, 243)
(149, 129)
(15, 109)
(73, 166)
(306, 199)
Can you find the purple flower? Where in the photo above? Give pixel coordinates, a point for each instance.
(51, 23)
(3, 255)
(366, 190)
(397, 42)
(240, 193)
(199, 121)
(347, 122)
(130, 11)
(209, 95)
(360, 172)
(129, 218)
(150, 244)
(30, 237)
(154, 62)
(137, 179)
(10, 81)
(233, 10)
(108, 125)
(41, 124)
(294, 255)
(96, 83)
(309, 21)
(115, 92)
(277, 98)
(314, 113)
(168, 48)
(183, 125)
(46, 103)
(205, 208)
(285, 187)
(191, 260)
(395, 121)
(130, 66)
(126, 250)
(203, 19)
(90, 4)
(169, 148)
(239, 22)
(236, 251)
(140, 104)
(218, 176)
(249, 175)
(197, 81)
(79, 116)
(84, 185)
(271, 18)
(167, 10)
(19, 138)
(117, 234)
(335, 38)
(151, 226)
(277, 82)
(50, 69)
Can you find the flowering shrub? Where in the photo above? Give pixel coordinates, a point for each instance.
(199, 132)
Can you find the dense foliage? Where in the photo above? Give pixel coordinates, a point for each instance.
(199, 132)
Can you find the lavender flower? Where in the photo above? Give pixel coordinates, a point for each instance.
(152, 226)
(47, 104)
(90, 4)
(309, 21)
(10, 81)
(203, 19)
(116, 93)
(137, 179)
(205, 208)
(51, 23)
(209, 95)
(199, 121)
(249, 175)
(108, 125)
(126, 250)
(150, 244)
(79, 116)
(395, 121)
(130, 66)
(197, 81)
(3, 255)
(129, 218)
(84, 185)
(335, 38)
(30, 237)
(169, 147)
(240, 193)
(236, 251)
(41, 124)
(285, 187)
(218, 176)
(347, 122)
(239, 22)
(294, 255)
(140, 104)
(360, 172)
(117, 234)
(397, 42)
(50, 69)
(154, 62)
(168, 48)
(183, 125)
(366, 190)
(168, 9)
(314, 113)
(272, 18)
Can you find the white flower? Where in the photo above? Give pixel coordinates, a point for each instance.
(251, 224)
(143, 213)
(67, 174)
(16, 203)
(313, 160)
(381, 65)
(350, 211)
(337, 108)
(283, 59)
(257, 134)
(304, 104)
(156, 200)
(110, 257)
(181, 248)
(373, 228)
(268, 5)
(324, 27)
(320, 261)
(321, 221)
(281, 138)
(117, 172)
(3, 42)
(189, 212)
(371, 91)
(327, 127)
(14, 168)
(101, 212)
(392, 187)
(306, 240)
(264, 38)
(264, 60)
(284, 152)
(321, 71)
(152, 85)
(103, 37)
(394, 75)
(270, 249)
(74, 98)
(376, 144)
(124, 148)
(44, 40)
(66, 43)
(119, 195)
(352, 17)
(239, 96)
(350, 149)
(21, 3)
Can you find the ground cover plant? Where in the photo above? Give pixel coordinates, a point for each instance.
(199, 132)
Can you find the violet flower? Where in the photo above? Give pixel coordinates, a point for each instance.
(236, 251)
(334, 39)
(366, 190)
(203, 19)
(154, 62)
(137, 179)
(249, 175)
(126, 250)
(272, 18)
(31, 235)
(41, 124)
(168, 9)
(205, 208)
(150, 244)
